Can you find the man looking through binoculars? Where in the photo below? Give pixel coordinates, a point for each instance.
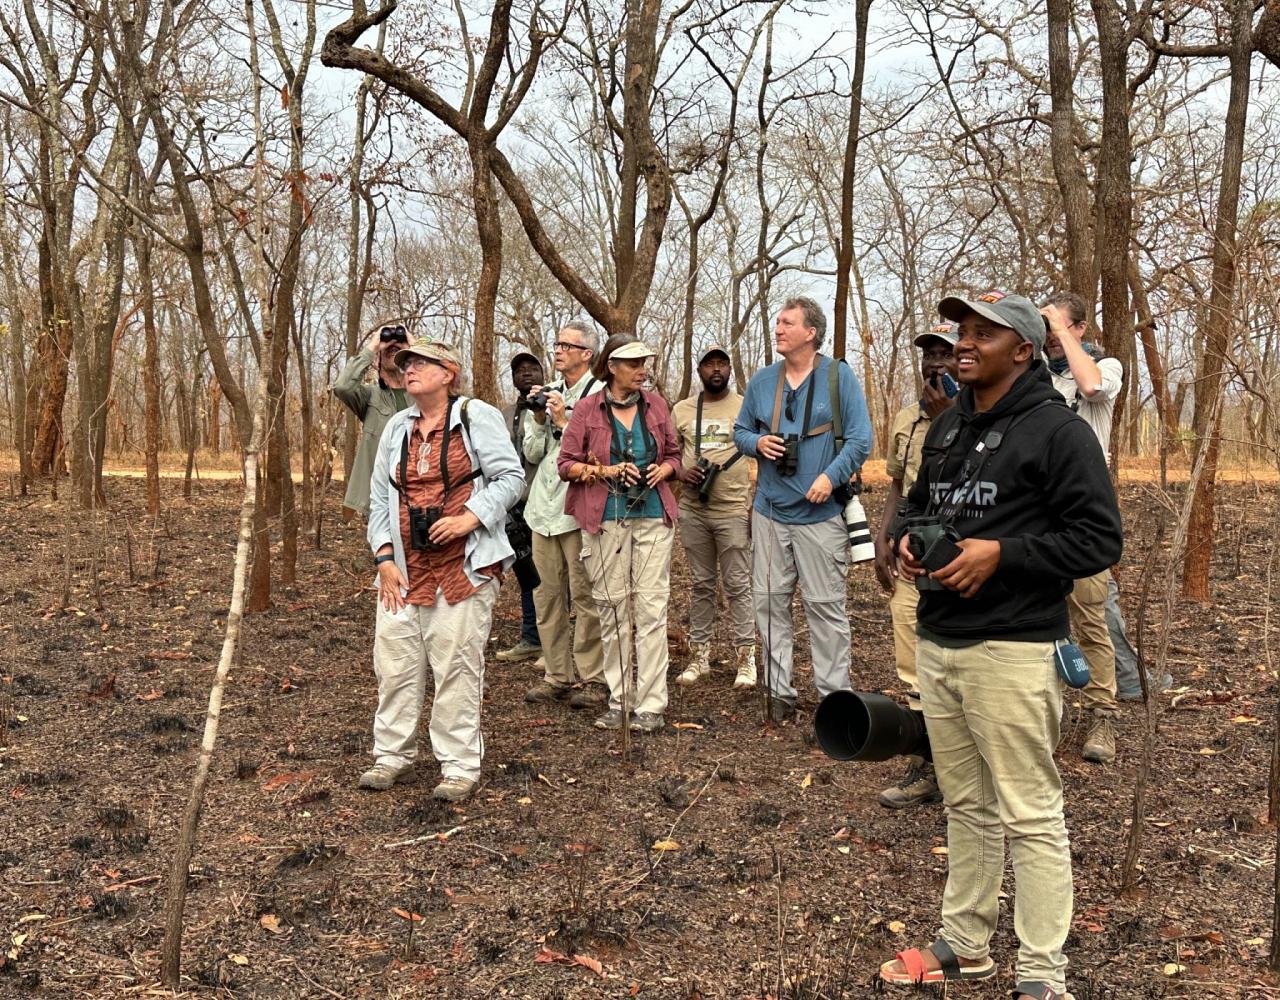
(714, 506)
(1012, 504)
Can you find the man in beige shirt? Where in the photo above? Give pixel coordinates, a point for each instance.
(714, 511)
(902, 464)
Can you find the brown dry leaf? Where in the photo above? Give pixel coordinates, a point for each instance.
(634, 990)
(170, 655)
(587, 962)
(665, 845)
(1094, 928)
(1247, 720)
(807, 781)
(288, 778)
(248, 838)
(405, 914)
(938, 850)
(688, 725)
(581, 848)
(270, 922)
(1208, 752)
(841, 834)
(151, 695)
(546, 956)
(238, 959)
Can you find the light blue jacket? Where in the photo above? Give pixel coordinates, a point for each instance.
(498, 489)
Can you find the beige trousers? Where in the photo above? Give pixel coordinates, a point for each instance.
(558, 559)
(718, 547)
(993, 711)
(450, 639)
(902, 609)
(1088, 605)
(629, 565)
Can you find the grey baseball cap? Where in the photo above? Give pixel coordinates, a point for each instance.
(714, 349)
(1014, 311)
(939, 331)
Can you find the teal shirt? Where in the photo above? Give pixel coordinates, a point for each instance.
(616, 506)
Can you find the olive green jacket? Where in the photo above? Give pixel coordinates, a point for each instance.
(373, 406)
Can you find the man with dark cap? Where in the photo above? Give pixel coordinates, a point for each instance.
(1012, 504)
(902, 464)
(526, 372)
(715, 505)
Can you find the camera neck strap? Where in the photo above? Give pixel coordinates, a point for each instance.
(809, 381)
(974, 462)
(402, 485)
(697, 438)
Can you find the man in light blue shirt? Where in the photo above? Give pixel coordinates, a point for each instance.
(798, 534)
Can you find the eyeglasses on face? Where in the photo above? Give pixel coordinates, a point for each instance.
(564, 345)
(414, 363)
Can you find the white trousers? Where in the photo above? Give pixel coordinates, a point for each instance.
(450, 639)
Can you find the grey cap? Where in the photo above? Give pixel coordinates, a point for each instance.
(1014, 311)
(939, 331)
(523, 356)
(714, 349)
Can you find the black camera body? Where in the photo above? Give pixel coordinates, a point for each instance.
(636, 491)
(538, 401)
(789, 463)
(420, 521)
(710, 470)
(520, 536)
(934, 546)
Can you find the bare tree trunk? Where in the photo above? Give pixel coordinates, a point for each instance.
(844, 243)
(150, 372)
(17, 347)
(1073, 185)
(176, 897)
(1219, 317)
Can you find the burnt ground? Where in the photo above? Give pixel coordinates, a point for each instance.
(788, 879)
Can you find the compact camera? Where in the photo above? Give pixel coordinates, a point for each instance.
(710, 470)
(420, 521)
(790, 460)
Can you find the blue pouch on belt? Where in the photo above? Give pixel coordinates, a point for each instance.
(1073, 668)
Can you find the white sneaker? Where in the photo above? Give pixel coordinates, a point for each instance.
(699, 664)
(746, 657)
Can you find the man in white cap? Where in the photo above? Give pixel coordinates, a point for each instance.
(902, 464)
(715, 505)
(444, 477)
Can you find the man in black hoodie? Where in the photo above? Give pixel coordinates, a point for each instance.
(1021, 483)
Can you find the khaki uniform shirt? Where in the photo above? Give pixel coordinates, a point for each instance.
(731, 492)
(906, 441)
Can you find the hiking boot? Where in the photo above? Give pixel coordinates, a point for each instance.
(745, 657)
(1166, 682)
(781, 709)
(647, 722)
(454, 789)
(1100, 743)
(611, 719)
(544, 692)
(917, 787)
(522, 650)
(699, 664)
(381, 776)
(591, 695)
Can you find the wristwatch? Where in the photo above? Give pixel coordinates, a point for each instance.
(387, 557)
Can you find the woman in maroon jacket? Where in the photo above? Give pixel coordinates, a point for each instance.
(618, 452)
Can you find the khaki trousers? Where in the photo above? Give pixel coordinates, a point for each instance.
(902, 609)
(718, 548)
(1088, 605)
(629, 565)
(993, 712)
(558, 559)
(450, 639)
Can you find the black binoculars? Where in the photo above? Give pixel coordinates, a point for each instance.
(538, 401)
(933, 544)
(520, 537)
(855, 725)
(636, 491)
(388, 334)
(790, 460)
(420, 521)
(709, 472)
